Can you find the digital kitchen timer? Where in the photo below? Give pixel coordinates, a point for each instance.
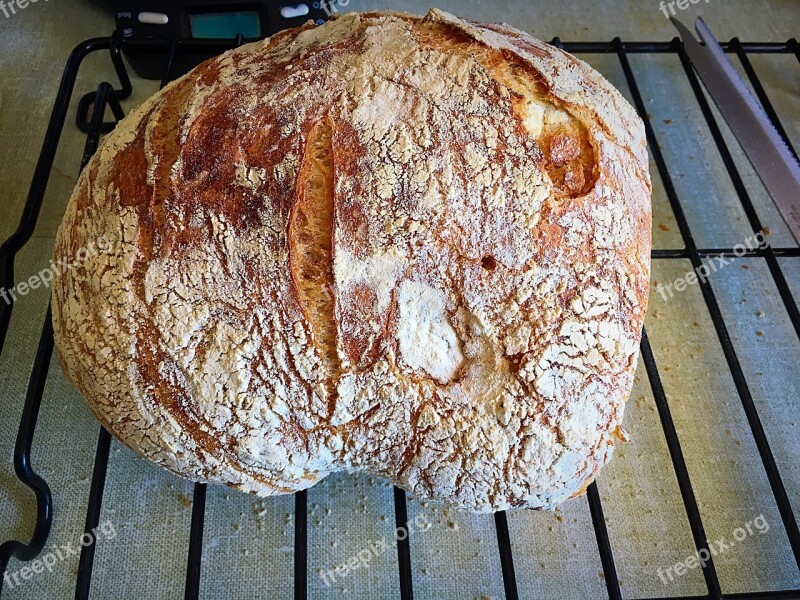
(139, 20)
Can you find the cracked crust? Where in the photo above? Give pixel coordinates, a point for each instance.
(415, 246)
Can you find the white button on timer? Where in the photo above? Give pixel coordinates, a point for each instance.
(291, 12)
(153, 18)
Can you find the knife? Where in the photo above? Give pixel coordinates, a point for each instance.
(762, 144)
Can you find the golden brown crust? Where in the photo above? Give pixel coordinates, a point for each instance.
(414, 246)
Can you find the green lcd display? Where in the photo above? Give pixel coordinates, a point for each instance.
(225, 25)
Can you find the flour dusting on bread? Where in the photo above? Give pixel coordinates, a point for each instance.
(414, 246)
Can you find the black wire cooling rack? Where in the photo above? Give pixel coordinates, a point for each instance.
(106, 97)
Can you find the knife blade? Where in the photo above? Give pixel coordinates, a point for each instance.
(775, 165)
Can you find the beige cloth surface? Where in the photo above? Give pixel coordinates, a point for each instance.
(248, 543)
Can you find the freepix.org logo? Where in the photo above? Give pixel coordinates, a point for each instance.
(10, 7)
(59, 553)
(45, 276)
(680, 4)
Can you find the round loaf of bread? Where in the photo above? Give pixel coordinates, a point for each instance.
(413, 246)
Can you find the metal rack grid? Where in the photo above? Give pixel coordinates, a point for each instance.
(107, 97)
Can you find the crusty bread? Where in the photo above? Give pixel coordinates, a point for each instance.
(413, 246)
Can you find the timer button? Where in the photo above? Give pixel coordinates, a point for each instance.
(153, 18)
